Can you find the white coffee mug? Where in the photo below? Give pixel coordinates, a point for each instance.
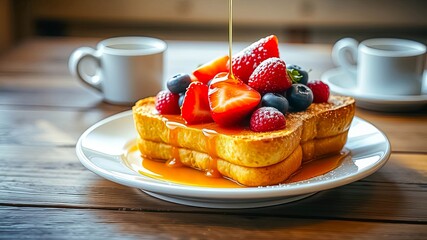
(128, 68)
(385, 66)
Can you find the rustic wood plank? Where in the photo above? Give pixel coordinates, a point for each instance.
(40, 90)
(47, 127)
(49, 176)
(406, 132)
(52, 223)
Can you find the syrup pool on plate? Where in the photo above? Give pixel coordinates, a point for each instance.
(177, 173)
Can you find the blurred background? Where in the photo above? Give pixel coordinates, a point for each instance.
(295, 21)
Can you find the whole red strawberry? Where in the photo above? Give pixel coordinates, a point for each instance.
(266, 119)
(167, 102)
(320, 91)
(245, 62)
(270, 76)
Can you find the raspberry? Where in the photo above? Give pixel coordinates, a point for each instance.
(320, 91)
(167, 102)
(267, 119)
(270, 76)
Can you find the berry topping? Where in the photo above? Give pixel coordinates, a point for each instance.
(231, 101)
(297, 74)
(195, 107)
(267, 119)
(275, 100)
(181, 99)
(270, 76)
(178, 83)
(208, 70)
(299, 97)
(320, 91)
(245, 62)
(167, 102)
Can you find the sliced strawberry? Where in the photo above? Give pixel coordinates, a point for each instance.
(224, 76)
(195, 108)
(208, 70)
(231, 101)
(193, 78)
(245, 62)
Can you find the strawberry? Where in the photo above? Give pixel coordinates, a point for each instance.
(231, 101)
(320, 91)
(267, 119)
(270, 76)
(245, 62)
(195, 107)
(224, 76)
(208, 70)
(167, 102)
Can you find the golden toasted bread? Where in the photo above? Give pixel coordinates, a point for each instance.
(242, 146)
(250, 158)
(248, 176)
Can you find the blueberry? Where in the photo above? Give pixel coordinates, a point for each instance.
(181, 99)
(275, 100)
(299, 96)
(178, 83)
(298, 71)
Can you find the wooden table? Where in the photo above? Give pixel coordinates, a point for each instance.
(46, 193)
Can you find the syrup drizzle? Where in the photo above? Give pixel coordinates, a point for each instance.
(230, 38)
(173, 127)
(175, 161)
(174, 124)
(211, 136)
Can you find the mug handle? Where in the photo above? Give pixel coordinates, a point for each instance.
(340, 53)
(74, 65)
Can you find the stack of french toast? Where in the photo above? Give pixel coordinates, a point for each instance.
(232, 125)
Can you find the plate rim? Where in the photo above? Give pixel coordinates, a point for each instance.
(137, 180)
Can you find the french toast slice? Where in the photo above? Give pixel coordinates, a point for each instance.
(243, 147)
(248, 176)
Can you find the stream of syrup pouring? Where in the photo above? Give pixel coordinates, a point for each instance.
(230, 38)
(174, 170)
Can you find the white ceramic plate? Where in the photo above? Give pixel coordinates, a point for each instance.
(102, 148)
(341, 83)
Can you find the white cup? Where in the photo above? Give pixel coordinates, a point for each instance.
(127, 68)
(383, 66)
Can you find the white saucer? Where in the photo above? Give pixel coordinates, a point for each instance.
(102, 149)
(343, 84)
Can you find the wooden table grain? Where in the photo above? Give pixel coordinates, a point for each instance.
(45, 193)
